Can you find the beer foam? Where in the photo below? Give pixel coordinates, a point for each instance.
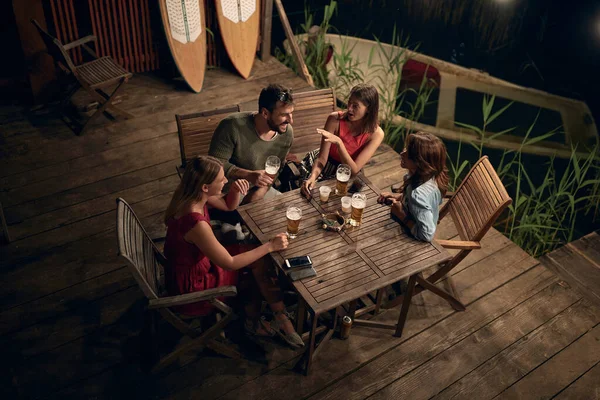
(271, 170)
(293, 215)
(342, 177)
(359, 203)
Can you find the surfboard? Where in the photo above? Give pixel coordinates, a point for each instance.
(184, 23)
(239, 22)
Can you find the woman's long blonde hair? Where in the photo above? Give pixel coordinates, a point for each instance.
(198, 172)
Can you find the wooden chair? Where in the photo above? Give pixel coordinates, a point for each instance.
(146, 262)
(311, 110)
(474, 207)
(93, 76)
(196, 130)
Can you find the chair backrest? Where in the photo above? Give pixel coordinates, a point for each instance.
(135, 245)
(478, 201)
(55, 48)
(196, 130)
(311, 110)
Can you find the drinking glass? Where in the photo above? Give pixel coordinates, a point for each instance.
(358, 204)
(293, 215)
(272, 166)
(343, 176)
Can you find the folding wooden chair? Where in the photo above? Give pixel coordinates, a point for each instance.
(146, 262)
(196, 130)
(474, 207)
(93, 76)
(311, 110)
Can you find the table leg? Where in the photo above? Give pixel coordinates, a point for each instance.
(352, 309)
(311, 343)
(300, 315)
(378, 301)
(405, 305)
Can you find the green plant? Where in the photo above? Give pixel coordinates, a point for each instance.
(315, 49)
(544, 214)
(488, 118)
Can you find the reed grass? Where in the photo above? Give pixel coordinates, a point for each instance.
(544, 212)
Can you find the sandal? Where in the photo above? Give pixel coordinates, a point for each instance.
(252, 327)
(293, 339)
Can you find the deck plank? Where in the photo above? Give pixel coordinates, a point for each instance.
(531, 350)
(525, 337)
(553, 376)
(585, 386)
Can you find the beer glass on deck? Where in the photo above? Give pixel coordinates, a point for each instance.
(358, 204)
(293, 215)
(343, 176)
(272, 166)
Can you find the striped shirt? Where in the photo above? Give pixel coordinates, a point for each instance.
(423, 204)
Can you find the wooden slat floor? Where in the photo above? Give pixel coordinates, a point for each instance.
(71, 314)
(578, 263)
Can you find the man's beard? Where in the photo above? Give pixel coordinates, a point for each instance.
(274, 127)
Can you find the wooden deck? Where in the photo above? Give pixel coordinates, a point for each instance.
(578, 263)
(71, 313)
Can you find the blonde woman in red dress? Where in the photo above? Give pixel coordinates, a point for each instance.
(197, 261)
(349, 137)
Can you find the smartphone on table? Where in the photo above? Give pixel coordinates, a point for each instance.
(299, 268)
(298, 262)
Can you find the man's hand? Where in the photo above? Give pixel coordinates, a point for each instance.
(241, 186)
(261, 179)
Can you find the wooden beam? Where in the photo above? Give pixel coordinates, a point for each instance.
(293, 44)
(265, 50)
(37, 61)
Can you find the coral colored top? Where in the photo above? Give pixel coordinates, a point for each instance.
(353, 144)
(189, 270)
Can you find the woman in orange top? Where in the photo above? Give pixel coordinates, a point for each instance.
(349, 137)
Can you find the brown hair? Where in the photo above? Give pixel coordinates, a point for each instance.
(273, 93)
(198, 172)
(428, 152)
(368, 95)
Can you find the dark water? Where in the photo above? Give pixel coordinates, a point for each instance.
(556, 50)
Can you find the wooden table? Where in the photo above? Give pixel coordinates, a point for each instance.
(349, 264)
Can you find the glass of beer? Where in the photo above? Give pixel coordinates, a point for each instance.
(343, 176)
(272, 166)
(294, 215)
(358, 204)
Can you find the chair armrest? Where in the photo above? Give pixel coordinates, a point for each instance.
(448, 195)
(79, 42)
(188, 298)
(82, 42)
(459, 244)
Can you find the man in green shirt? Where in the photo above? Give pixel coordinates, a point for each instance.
(243, 141)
